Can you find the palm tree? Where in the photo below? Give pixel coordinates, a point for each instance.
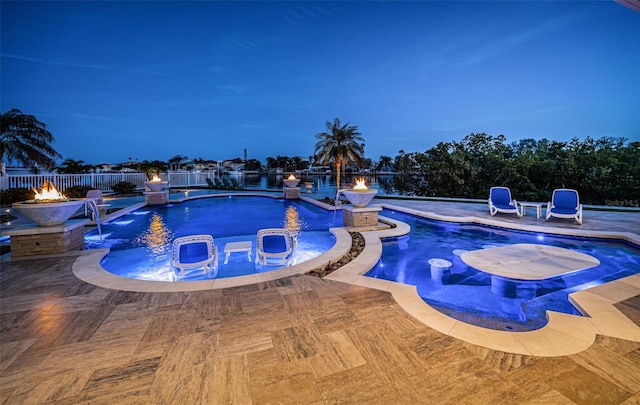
(71, 166)
(270, 162)
(26, 140)
(341, 144)
(174, 162)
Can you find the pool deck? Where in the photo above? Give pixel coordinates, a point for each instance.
(300, 339)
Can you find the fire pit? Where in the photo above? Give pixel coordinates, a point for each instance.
(360, 195)
(291, 181)
(156, 184)
(49, 207)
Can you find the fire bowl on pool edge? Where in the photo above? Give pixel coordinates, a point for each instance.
(48, 213)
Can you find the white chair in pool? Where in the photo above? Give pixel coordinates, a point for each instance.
(188, 252)
(274, 243)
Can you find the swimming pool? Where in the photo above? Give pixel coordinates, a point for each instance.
(140, 241)
(466, 294)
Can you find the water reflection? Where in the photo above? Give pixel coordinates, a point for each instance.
(156, 238)
(326, 184)
(292, 222)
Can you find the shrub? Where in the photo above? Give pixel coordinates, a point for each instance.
(124, 187)
(77, 191)
(12, 195)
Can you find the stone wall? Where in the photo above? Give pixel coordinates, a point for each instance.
(47, 243)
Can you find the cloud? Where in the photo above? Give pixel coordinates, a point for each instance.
(104, 118)
(492, 49)
(303, 14)
(52, 62)
(151, 72)
(232, 88)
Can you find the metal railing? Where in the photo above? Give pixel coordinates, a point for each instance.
(105, 181)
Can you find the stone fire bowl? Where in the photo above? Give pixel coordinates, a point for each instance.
(291, 183)
(48, 213)
(155, 186)
(359, 199)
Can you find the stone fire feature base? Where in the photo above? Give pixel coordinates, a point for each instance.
(291, 193)
(353, 216)
(46, 240)
(156, 197)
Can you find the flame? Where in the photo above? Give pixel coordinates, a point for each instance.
(48, 192)
(291, 177)
(156, 178)
(360, 185)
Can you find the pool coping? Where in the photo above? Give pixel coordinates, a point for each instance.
(562, 335)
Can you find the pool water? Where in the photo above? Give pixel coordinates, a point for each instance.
(140, 242)
(466, 294)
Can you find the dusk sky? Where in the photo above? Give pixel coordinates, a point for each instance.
(150, 80)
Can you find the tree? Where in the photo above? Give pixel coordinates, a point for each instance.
(283, 162)
(270, 162)
(385, 164)
(175, 162)
(156, 166)
(252, 164)
(341, 144)
(71, 166)
(26, 140)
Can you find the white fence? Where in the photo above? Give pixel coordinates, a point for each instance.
(104, 181)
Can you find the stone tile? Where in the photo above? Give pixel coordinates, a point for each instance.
(339, 354)
(298, 339)
(56, 388)
(117, 384)
(291, 382)
(384, 351)
(454, 383)
(254, 343)
(168, 323)
(9, 351)
(631, 308)
(70, 327)
(549, 397)
(21, 303)
(359, 385)
(185, 366)
(336, 319)
(577, 383)
(611, 366)
(297, 342)
(231, 383)
(500, 361)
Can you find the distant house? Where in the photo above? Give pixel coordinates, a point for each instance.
(236, 164)
(206, 165)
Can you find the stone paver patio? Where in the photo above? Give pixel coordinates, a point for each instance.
(298, 339)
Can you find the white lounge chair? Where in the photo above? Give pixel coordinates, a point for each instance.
(500, 201)
(274, 243)
(565, 203)
(188, 252)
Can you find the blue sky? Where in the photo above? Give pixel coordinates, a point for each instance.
(150, 80)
